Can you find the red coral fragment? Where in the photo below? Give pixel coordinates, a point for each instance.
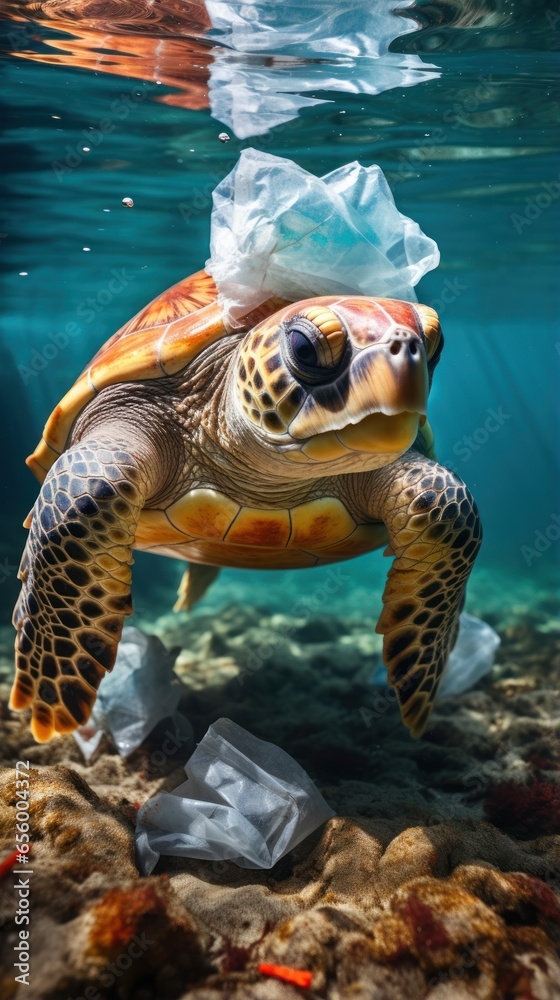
(526, 810)
(538, 895)
(297, 977)
(541, 763)
(515, 982)
(426, 930)
(119, 913)
(235, 958)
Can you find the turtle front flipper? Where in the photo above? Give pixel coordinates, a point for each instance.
(435, 534)
(75, 575)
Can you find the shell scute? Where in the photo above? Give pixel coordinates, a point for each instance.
(320, 522)
(160, 340)
(364, 538)
(254, 526)
(155, 528)
(186, 296)
(203, 513)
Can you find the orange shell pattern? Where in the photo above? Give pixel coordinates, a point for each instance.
(160, 340)
(205, 526)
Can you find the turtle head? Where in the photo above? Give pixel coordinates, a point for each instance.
(338, 381)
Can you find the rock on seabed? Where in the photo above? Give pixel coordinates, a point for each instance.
(437, 879)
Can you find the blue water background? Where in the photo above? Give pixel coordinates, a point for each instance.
(469, 177)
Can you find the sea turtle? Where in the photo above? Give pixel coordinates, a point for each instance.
(298, 440)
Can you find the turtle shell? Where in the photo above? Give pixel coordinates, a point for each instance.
(160, 340)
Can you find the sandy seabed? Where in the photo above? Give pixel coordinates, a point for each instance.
(437, 878)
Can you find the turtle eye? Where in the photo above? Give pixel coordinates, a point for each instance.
(432, 331)
(302, 349)
(314, 344)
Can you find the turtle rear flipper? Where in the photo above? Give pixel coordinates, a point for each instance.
(435, 534)
(194, 584)
(75, 576)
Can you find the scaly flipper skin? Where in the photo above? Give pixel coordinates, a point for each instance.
(435, 534)
(75, 575)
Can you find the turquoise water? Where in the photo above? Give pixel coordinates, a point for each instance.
(466, 137)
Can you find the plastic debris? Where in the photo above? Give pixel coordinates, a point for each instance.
(128, 202)
(245, 801)
(471, 658)
(348, 28)
(278, 230)
(297, 977)
(141, 690)
(89, 737)
(252, 97)
(273, 54)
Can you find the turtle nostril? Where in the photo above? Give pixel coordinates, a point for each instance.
(395, 347)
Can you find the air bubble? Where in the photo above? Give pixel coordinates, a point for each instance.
(224, 137)
(128, 202)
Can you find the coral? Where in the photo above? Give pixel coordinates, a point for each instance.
(94, 921)
(524, 809)
(435, 880)
(427, 933)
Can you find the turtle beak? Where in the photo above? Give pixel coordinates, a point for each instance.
(385, 379)
(392, 376)
(395, 374)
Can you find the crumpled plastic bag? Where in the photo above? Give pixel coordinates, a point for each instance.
(319, 28)
(278, 230)
(141, 690)
(245, 801)
(272, 54)
(252, 96)
(471, 658)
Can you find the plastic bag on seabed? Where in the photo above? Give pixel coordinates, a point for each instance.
(471, 658)
(245, 801)
(141, 690)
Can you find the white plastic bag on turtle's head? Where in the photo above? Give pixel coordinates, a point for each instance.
(279, 231)
(245, 801)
